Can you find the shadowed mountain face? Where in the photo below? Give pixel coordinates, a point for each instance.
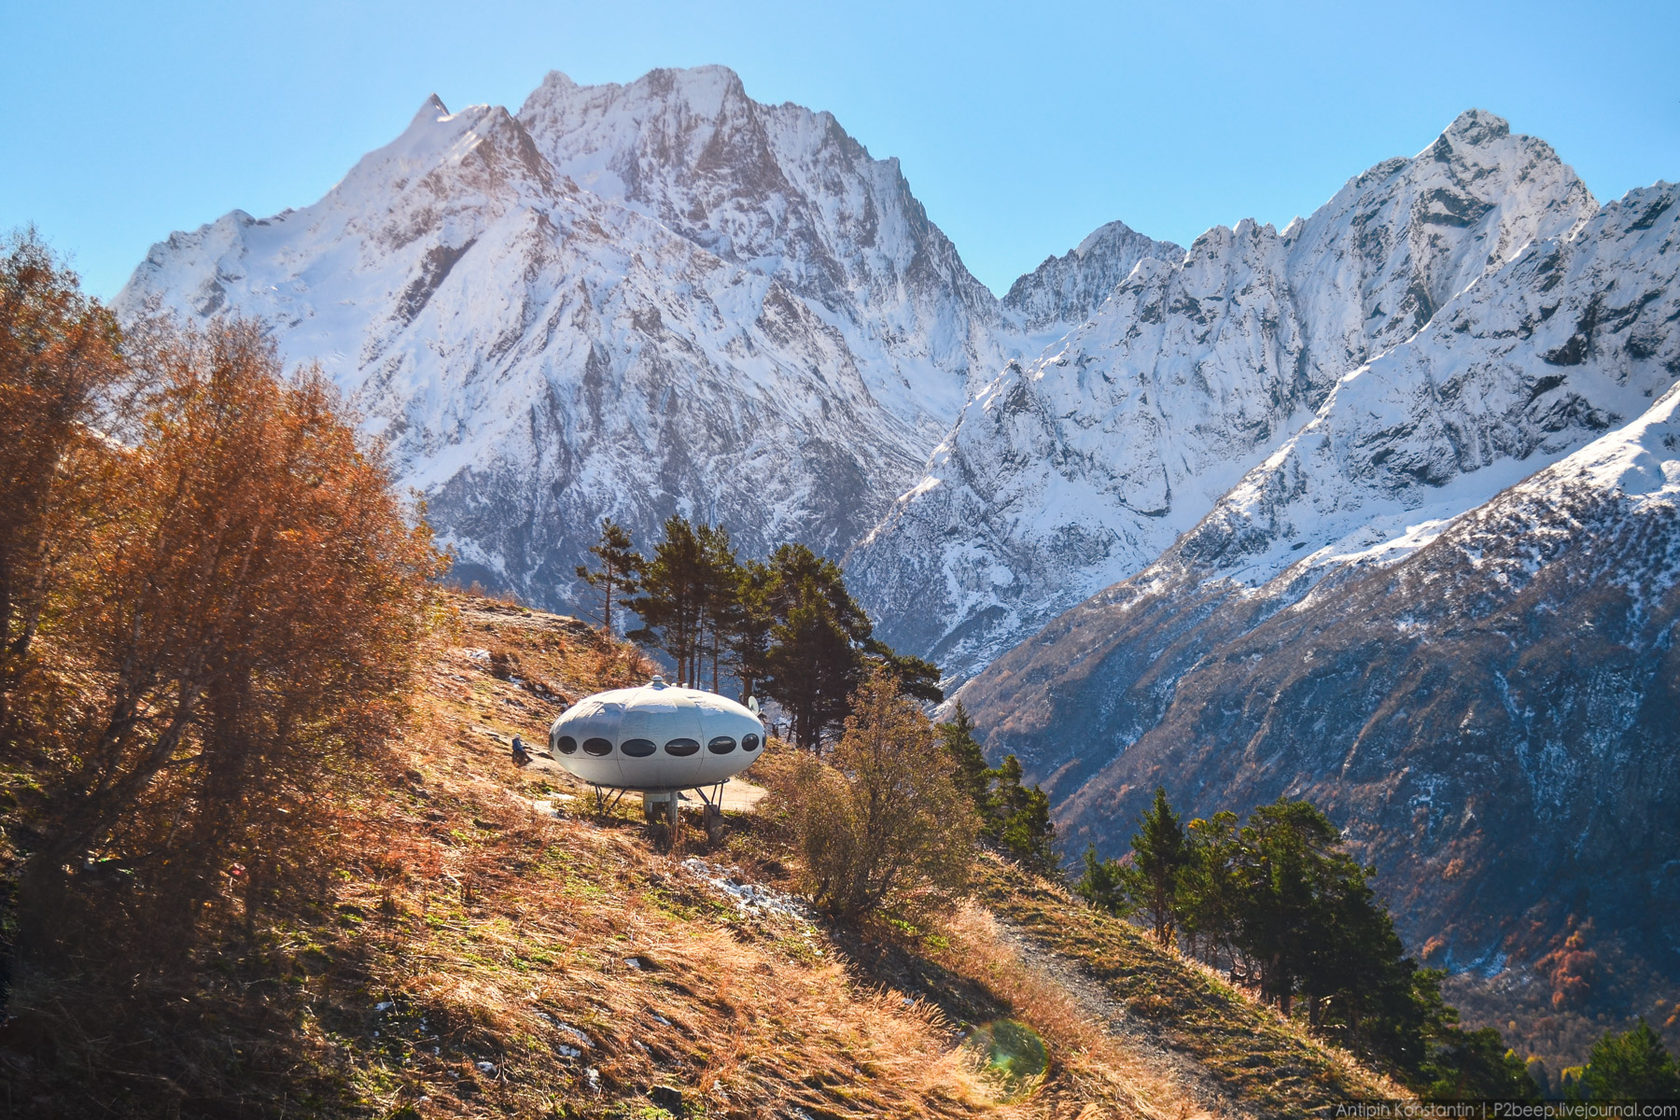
(1482, 691)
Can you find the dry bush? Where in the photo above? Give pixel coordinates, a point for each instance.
(58, 366)
(243, 633)
(504, 663)
(882, 826)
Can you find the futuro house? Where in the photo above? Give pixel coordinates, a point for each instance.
(656, 739)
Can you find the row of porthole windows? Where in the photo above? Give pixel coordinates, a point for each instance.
(644, 748)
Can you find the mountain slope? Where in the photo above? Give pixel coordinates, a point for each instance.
(1074, 471)
(487, 944)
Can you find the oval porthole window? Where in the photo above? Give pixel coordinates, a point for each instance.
(597, 746)
(638, 748)
(723, 744)
(682, 748)
(749, 742)
(567, 745)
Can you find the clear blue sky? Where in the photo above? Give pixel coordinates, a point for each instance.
(1021, 126)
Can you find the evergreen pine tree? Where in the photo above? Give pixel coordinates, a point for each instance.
(1160, 855)
(916, 678)
(811, 666)
(672, 599)
(1477, 1065)
(815, 658)
(1209, 901)
(1633, 1065)
(747, 637)
(1103, 884)
(964, 750)
(1017, 818)
(619, 574)
(719, 592)
(1281, 876)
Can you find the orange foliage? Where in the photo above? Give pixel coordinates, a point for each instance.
(234, 628)
(1572, 969)
(58, 358)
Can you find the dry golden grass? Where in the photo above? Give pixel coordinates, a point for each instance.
(474, 954)
(593, 974)
(1100, 1065)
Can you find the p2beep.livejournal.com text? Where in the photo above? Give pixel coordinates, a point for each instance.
(1509, 1110)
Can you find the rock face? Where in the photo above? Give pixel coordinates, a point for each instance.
(1067, 290)
(625, 301)
(1073, 471)
(1444, 610)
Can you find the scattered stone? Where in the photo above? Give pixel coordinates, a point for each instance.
(749, 898)
(574, 1034)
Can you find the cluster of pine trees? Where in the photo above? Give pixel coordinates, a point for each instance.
(785, 627)
(1280, 903)
(1014, 819)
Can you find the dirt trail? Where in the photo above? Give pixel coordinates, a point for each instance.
(1186, 1079)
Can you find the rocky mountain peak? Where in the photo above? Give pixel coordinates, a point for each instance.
(1477, 126)
(647, 140)
(705, 90)
(1192, 368)
(432, 109)
(1065, 291)
(783, 192)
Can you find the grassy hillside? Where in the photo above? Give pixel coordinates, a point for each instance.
(484, 944)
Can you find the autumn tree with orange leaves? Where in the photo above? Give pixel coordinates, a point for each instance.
(214, 622)
(58, 364)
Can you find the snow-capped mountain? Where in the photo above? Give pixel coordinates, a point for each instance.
(1073, 471)
(1573, 337)
(785, 192)
(1491, 719)
(625, 301)
(1557, 356)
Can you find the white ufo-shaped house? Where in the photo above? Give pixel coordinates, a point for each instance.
(656, 739)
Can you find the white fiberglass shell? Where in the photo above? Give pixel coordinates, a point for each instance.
(656, 738)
